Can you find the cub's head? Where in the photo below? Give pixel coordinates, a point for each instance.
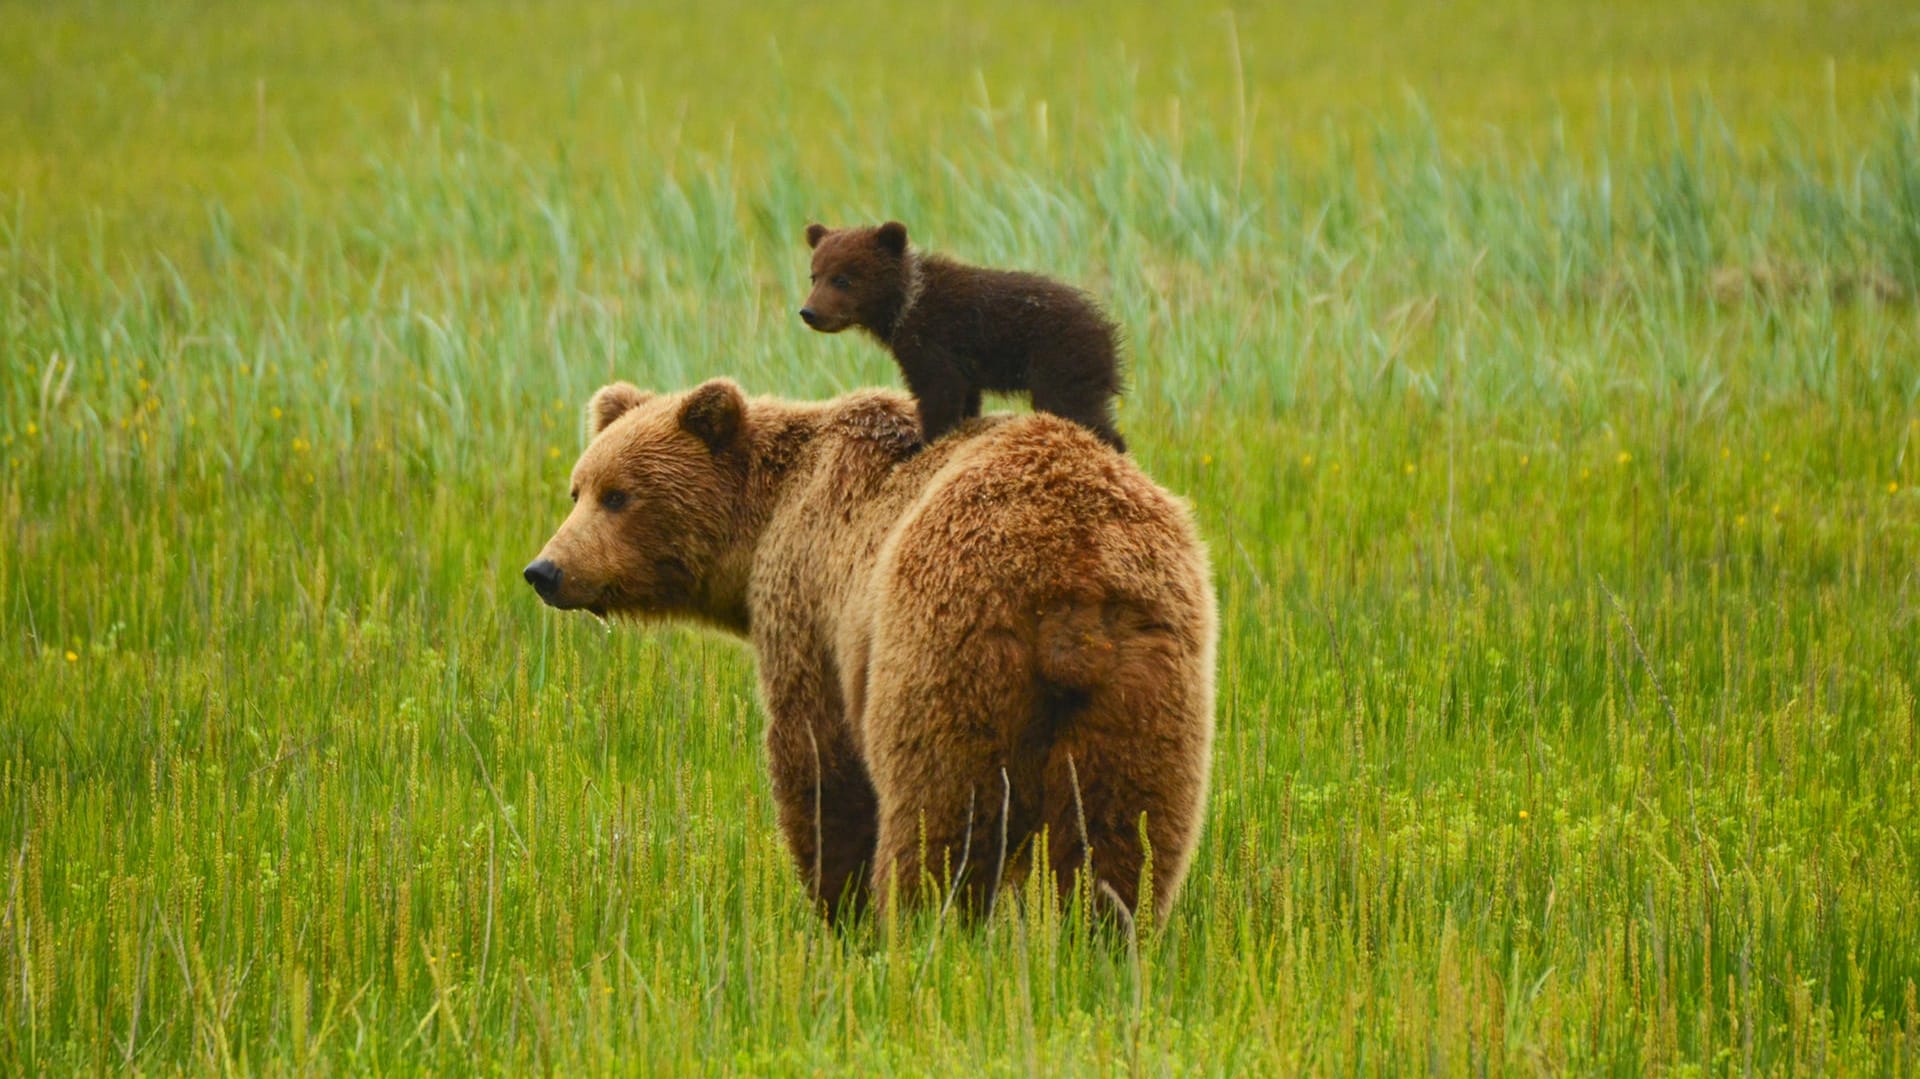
(657, 507)
(859, 276)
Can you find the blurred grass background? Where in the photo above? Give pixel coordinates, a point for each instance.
(1545, 379)
(128, 118)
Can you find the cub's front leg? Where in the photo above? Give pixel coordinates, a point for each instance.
(942, 390)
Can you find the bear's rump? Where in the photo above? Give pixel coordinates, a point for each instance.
(1050, 584)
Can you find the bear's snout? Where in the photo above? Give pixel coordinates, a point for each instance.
(809, 316)
(544, 576)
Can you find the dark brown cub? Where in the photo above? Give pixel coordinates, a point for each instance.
(957, 330)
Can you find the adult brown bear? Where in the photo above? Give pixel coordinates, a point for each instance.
(1007, 633)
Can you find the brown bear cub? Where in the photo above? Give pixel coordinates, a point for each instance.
(957, 330)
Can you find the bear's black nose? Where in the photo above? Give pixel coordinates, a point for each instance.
(807, 316)
(543, 575)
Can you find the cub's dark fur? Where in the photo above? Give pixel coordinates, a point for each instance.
(957, 330)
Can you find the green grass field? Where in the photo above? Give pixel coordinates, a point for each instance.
(1546, 379)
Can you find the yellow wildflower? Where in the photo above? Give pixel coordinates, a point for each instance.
(1624, 457)
(72, 656)
(553, 453)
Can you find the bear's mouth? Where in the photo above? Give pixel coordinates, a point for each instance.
(599, 604)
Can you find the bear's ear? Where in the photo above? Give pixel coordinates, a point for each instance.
(892, 237)
(611, 402)
(714, 413)
(815, 233)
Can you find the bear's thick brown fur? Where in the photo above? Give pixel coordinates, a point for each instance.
(1008, 632)
(956, 329)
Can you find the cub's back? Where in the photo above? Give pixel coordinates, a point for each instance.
(1001, 315)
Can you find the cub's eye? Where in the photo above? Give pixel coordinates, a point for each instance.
(613, 501)
(840, 281)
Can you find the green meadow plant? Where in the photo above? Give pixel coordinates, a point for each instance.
(1558, 451)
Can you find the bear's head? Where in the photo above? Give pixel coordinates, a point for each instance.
(859, 277)
(657, 526)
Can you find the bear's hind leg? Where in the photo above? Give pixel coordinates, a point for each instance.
(957, 797)
(1132, 758)
(1078, 384)
(933, 848)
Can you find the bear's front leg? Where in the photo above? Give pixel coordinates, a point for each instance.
(825, 801)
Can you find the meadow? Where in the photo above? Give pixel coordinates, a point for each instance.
(1545, 378)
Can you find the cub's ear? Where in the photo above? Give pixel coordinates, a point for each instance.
(892, 237)
(714, 413)
(815, 233)
(611, 402)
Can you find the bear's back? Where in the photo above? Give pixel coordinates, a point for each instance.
(1007, 510)
(1036, 506)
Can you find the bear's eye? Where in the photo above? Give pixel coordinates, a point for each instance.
(613, 501)
(840, 281)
